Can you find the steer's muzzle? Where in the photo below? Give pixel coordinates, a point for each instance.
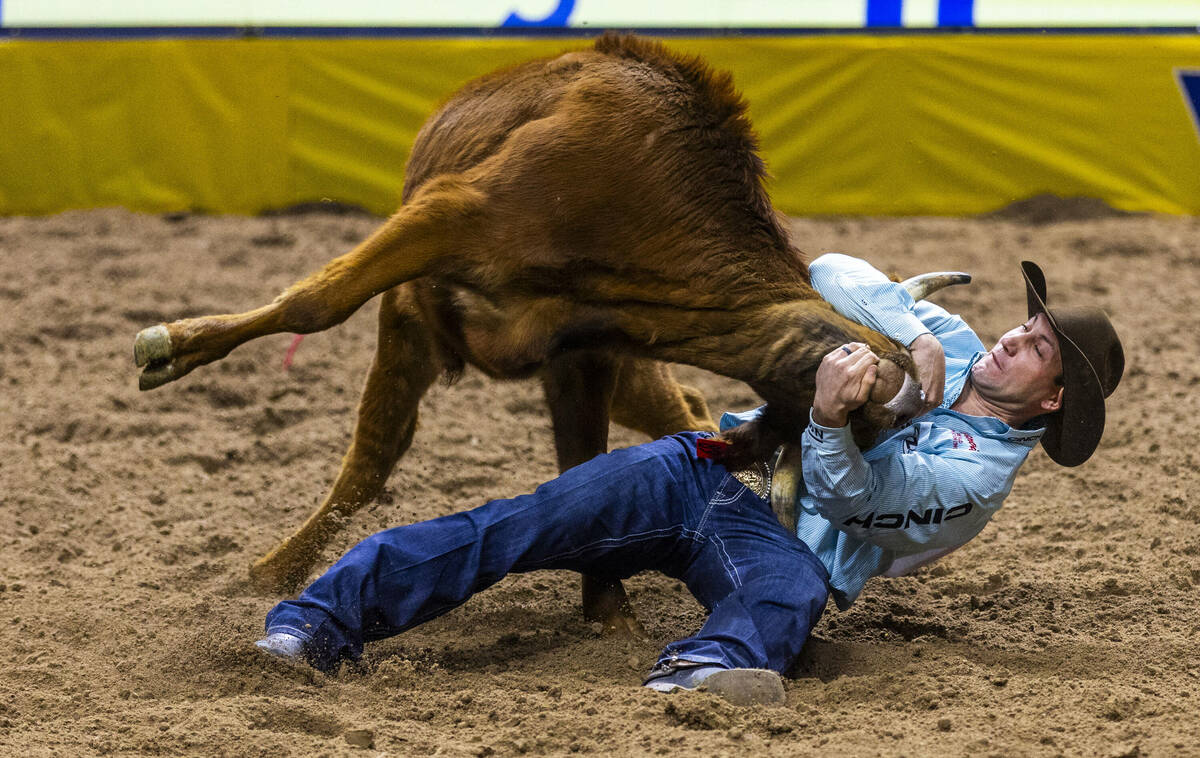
(896, 397)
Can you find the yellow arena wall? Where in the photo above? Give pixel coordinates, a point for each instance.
(942, 124)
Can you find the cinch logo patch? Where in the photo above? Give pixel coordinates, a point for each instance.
(1189, 83)
(904, 521)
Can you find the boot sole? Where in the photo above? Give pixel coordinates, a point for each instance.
(747, 686)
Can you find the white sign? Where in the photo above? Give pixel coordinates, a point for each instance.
(599, 14)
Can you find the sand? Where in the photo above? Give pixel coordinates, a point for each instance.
(129, 519)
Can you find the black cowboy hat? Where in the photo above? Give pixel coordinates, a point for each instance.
(1092, 362)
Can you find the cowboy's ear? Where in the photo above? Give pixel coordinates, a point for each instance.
(1054, 402)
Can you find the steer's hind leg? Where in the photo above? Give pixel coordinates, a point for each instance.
(439, 220)
(579, 387)
(650, 400)
(405, 364)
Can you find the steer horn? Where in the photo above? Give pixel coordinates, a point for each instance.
(785, 480)
(924, 285)
(910, 399)
(785, 477)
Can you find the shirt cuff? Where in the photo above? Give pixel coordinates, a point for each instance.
(902, 327)
(829, 437)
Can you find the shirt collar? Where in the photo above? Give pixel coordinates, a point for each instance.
(987, 426)
(957, 382)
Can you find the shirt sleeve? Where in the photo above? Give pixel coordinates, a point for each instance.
(861, 293)
(904, 502)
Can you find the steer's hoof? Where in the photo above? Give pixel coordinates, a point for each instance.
(152, 353)
(622, 626)
(272, 577)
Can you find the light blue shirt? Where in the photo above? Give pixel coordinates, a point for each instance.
(921, 490)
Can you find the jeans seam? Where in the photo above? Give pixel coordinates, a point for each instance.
(716, 499)
(612, 542)
(721, 497)
(730, 569)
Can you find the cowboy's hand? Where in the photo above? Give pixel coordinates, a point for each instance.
(844, 381)
(930, 359)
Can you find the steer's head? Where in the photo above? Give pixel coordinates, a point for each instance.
(897, 397)
(787, 372)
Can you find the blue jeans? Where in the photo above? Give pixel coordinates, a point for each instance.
(653, 506)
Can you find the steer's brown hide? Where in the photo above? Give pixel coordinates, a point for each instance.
(578, 219)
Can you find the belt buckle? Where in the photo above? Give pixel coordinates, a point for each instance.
(756, 477)
(777, 482)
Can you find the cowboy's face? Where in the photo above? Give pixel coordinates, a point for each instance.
(1020, 371)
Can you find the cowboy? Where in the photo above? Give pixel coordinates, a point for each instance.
(918, 493)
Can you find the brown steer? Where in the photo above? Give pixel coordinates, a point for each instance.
(578, 218)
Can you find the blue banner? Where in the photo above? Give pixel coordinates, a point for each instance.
(885, 13)
(956, 13)
(1189, 82)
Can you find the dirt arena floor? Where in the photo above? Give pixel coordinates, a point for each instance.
(128, 520)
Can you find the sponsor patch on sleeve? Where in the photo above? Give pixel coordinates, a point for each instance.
(963, 440)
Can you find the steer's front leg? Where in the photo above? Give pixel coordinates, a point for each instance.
(406, 364)
(579, 389)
